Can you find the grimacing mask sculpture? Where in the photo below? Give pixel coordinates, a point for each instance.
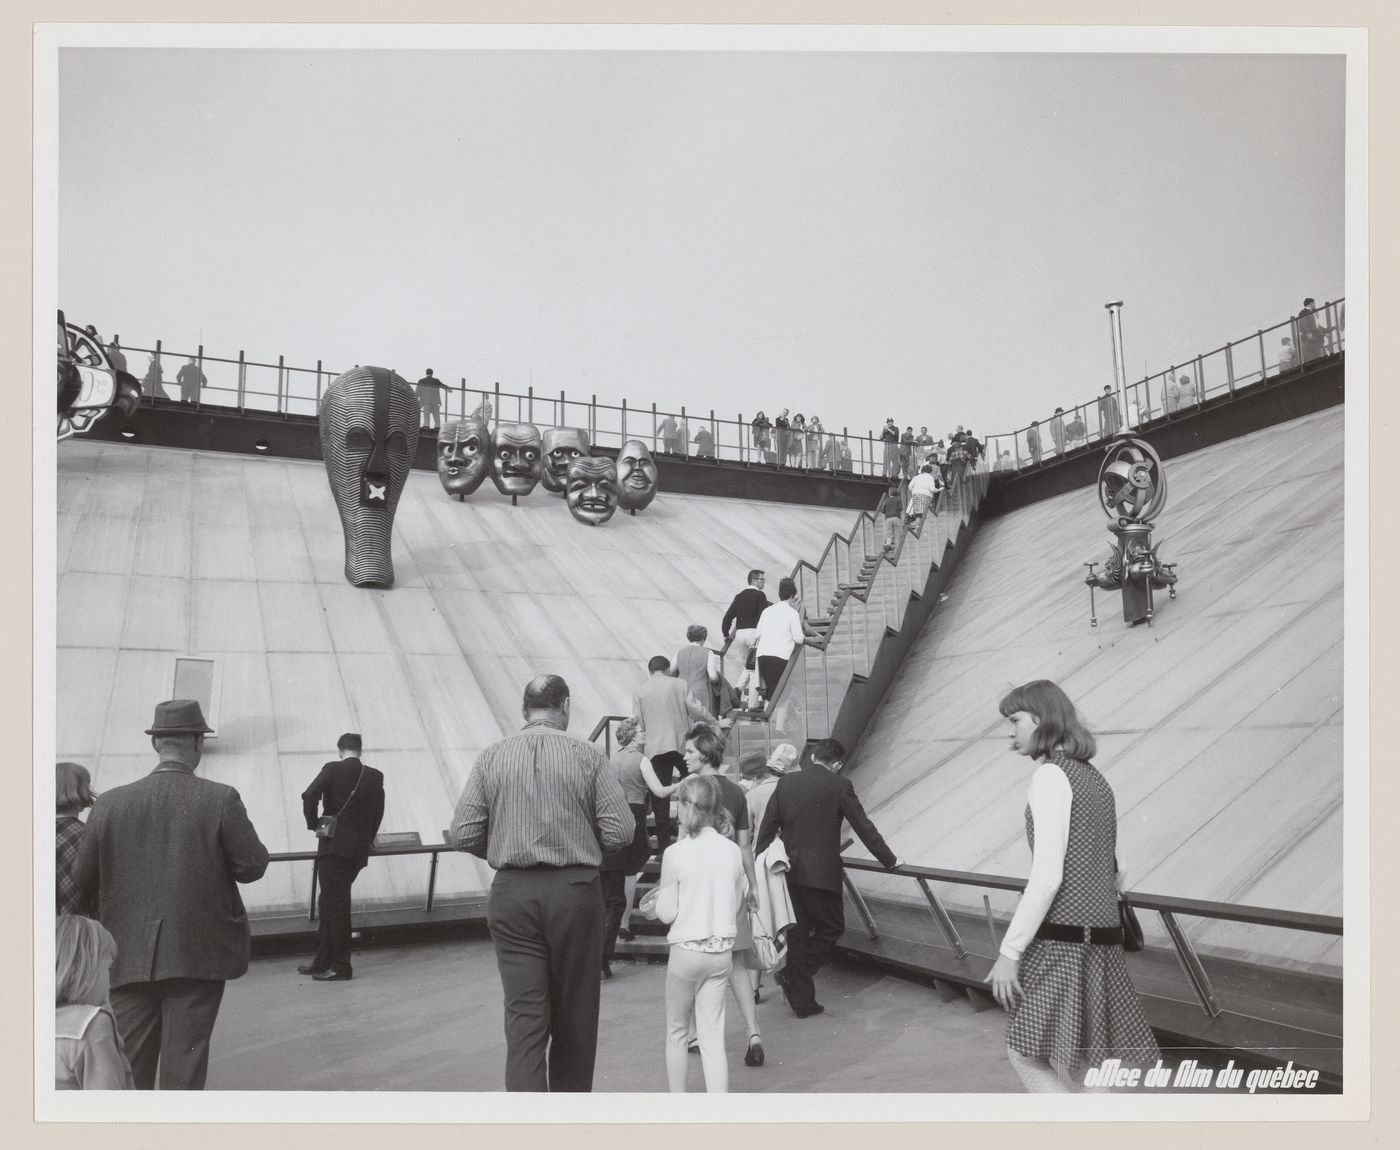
(591, 490)
(464, 456)
(562, 445)
(517, 458)
(369, 433)
(636, 476)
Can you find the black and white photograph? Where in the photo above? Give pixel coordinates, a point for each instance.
(826, 565)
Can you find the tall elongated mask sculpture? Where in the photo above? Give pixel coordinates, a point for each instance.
(591, 489)
(369, 434)
(562, 445)
(636, 476)
(464, 456)
(517, 458)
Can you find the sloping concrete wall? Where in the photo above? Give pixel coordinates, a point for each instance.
(1220, 727)
(165, 551)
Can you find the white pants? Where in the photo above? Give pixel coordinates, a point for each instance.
(697, 983)
(738, 655)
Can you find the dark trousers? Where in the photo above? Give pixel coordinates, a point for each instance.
(547, 927)
(614, 905)
(666, 765)
(168, 1022)
(770, 670)
(821, 919)
(336, 876)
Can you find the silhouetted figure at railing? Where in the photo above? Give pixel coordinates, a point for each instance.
(1110, 420)
(1310, 335)
(1060, 973)
(153, 382)
(191, 380)
(429, 391)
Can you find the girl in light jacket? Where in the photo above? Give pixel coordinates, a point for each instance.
(702, 886)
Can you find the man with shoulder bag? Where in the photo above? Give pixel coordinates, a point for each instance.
(350, 796)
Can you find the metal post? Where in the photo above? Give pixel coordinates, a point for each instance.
(871, 930)
(242, 378)
(942, 918)
(280, 384)
(1263, 363)
(199, 370)
(563, 419)
(1191, 964)
(318, 383)
(593, 418)
(496, 411)
(432, 880)
(624, 424)
(743, 451)
(1230, 367)
(685, 434)
(714, 432)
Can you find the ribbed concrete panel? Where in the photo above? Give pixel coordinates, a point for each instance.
(1220, 727)
(165, 552)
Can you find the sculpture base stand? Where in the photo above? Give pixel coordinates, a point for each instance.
(515, 501)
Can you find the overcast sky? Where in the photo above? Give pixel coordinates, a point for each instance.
(926, 235)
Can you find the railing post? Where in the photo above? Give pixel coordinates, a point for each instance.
(432, 880)
(593, 419)
(858, 900)
(1191, 964)
(563, 419)
(714, 432)
(943, 919)
(1333, 334)
(318, 383)
(530, 417)
(624, 424)
(1230, 367)
(464, 398)
(1200, 380)
(199, 371)
(242, 378)
(685, 434)
(496, 411)
(280, 384)
(744, 446)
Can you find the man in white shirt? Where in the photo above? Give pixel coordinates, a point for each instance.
(923, 493)
(780, 629)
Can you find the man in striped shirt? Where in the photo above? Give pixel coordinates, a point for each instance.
(542, 807)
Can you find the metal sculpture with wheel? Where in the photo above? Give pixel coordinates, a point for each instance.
(1132, 489)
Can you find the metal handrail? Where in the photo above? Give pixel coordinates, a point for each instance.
(1167, 907)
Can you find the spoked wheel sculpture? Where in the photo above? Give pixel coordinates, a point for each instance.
(1132, 489)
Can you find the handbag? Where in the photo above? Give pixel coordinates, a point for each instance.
(326, 824)
(1128, 920)
(765, 950)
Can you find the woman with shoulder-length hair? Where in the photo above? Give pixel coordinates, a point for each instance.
(1060, 973)
(701, 890)
(73, 786)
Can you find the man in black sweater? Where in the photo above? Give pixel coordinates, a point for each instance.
(740, 623)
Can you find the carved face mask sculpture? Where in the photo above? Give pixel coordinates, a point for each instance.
(591, 490)
(517, 458)
(369, 434)
(562, 445)
(636, 476)
(464, 455)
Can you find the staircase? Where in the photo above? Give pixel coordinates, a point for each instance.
(862, 593)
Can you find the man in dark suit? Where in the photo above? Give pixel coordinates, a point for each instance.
(162, 857)
(354, 794)
(806, 809)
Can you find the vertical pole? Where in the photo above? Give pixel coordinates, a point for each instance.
(199, 369)
(464, 397)
(530, 418)
(496, 411)
(744, 444)
(653, 426)
(685, 434)
(624, 424)
(242, 378)
(280, 384)
(1263, 363)
(714, 432)
(563, 419)
(318, 382)
(1200, 381)
(432, 880)
(1230, 366)
(593, 417)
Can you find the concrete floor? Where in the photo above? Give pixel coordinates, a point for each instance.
(428, 1017)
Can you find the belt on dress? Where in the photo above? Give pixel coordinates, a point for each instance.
(1088, 935)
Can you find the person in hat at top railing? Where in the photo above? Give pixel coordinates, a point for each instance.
(191, 381)
(1309, 333)
(1033, 441)
(1109, 418)
(161, 856)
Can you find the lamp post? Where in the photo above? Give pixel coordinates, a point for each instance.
(1120, 368)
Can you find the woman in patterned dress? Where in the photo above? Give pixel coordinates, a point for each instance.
(1071, 1003)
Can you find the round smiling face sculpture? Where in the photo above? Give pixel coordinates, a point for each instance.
(591, 490)
(464, 456)
(369, 433)
(562, 445)
(636, 476)
(517, 458)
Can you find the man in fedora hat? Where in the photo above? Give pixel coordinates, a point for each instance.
(352, 793)
(162, 857)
